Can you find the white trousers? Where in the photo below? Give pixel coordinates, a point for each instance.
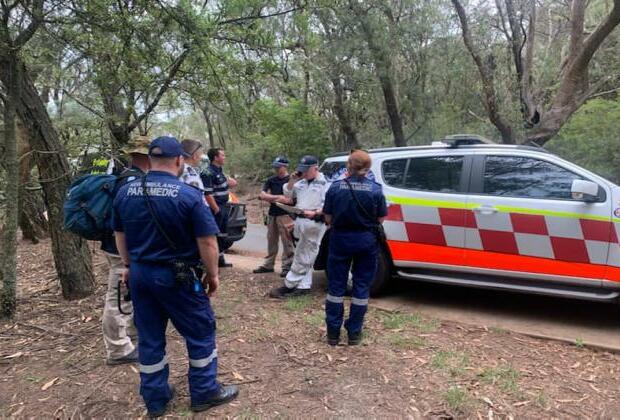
(309, 234)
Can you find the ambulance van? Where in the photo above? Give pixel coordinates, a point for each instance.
(468, 212)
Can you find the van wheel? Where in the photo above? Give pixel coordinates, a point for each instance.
(382, 277)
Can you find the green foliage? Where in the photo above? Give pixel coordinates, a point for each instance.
(293, 130)
(504, 376)
(458, 399)
(591, 140)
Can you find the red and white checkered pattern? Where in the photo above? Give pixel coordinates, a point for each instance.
(560, 238)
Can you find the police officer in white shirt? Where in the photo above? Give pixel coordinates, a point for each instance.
(190, 175)
(306, 189)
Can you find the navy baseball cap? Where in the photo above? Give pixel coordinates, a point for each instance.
(167, 147)
(279, 162)
(307, 162)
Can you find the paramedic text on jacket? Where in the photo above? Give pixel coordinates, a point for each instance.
(144, 225)
(353, 245)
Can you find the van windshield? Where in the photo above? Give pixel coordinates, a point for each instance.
(333, 170)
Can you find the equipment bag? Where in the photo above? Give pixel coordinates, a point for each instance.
(88, 204)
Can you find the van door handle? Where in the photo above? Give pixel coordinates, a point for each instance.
(485, 209)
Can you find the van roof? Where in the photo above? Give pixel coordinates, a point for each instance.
(441, 146)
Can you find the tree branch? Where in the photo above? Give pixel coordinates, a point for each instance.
(577, 16)
(83, 105)
(162, 89)
(256, 17)
(486, 76)
(28, 33)
(596, 38)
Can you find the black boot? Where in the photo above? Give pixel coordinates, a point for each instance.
(261, 270)
(158, 413)
(284, 292)
(225, 394)
(333, 338)
(222, 263)
(355, 338)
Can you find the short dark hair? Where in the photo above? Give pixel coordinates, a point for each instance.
(213, 153)
(191, 146)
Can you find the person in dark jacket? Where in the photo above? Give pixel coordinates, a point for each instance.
(279, 223)
(354, 207)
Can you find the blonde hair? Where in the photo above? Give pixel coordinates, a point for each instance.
(359, 163)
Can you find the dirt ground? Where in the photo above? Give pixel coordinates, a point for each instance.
(52, 362)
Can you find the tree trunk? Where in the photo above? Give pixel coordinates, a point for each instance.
(391, 107)
(485, 69)
(30, 205)
(205, 114)
(350, 135)
(71, 254)
(383, 65)
(8, 299)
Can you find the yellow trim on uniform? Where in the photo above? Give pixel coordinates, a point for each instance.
(504, 209)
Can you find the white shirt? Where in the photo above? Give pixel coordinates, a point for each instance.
(192, 177)
(308, 196)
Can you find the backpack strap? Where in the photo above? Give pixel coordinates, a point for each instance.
(158, 225)
(359, 204)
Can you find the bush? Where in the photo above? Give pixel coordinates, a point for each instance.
(590, 138)
(292, 130)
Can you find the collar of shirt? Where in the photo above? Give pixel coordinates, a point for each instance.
(161, 173)
(135, 168)
(356, 178)
(215, 168)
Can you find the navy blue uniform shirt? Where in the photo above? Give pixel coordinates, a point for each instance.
(215, 184)
(345, 212)
(275, 186)
(180, 209)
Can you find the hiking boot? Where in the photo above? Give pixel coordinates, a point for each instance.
(355, 338)
(158, 413)
(221, 263)
(130, 358)
(225, 394)
(284, 292)
(261, 270)
(333, 338)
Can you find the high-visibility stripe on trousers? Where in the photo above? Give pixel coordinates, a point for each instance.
(356, 252)
(157, 298)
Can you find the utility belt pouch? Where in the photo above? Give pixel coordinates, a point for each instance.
(186, 274)
(183, 273)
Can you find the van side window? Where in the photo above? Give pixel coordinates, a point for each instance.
(438, 174)
(525, 177)
(394, 172)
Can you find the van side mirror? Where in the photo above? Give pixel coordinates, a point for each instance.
(586, 191)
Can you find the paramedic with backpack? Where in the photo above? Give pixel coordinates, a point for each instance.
(164, 230)
(119, 333)
(354, 207)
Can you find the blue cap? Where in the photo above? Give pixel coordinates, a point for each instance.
(279, 162)
(168, 147)
(306, 163)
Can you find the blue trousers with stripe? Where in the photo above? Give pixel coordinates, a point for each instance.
(356, 252)
(157, 298)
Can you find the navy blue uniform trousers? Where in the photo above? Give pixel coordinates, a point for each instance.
(157, 298)
(221, 219)
(357, 252)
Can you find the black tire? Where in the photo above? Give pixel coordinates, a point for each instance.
(225, 244)
(383, 276)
